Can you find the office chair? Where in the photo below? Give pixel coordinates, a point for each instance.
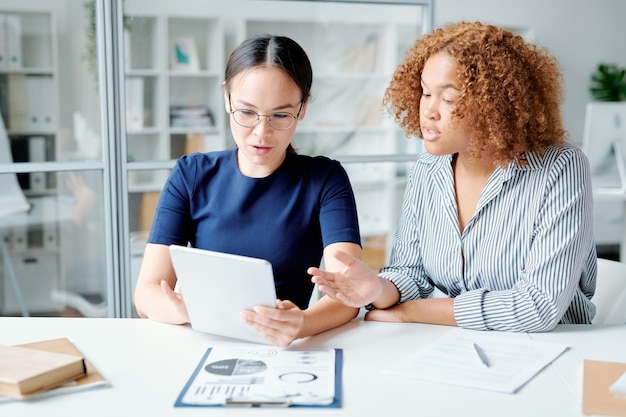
(610, 295)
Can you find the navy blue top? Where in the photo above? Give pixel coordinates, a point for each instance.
(286, 218)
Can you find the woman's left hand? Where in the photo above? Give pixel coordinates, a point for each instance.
(279, 326)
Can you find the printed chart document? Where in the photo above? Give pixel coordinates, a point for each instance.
(259, 376)
(501, 362)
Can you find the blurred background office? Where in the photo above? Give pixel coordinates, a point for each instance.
(99, 98)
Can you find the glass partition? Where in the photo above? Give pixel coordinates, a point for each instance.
(89, 133)
(52, 168)
(175, 57)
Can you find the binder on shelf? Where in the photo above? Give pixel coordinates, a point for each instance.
(13, 41)
(17, 102)
(127, 49)
(3, 44)
(37, 153)
(19, 236)
(134, 104)
(40, 110)
(50, 219)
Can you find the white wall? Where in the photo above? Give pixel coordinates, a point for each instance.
(580, 33)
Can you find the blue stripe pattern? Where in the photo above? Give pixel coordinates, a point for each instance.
(526, 260)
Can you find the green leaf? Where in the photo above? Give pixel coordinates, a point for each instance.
(608, 83)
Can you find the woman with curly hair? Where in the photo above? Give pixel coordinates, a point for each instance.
(497, 213)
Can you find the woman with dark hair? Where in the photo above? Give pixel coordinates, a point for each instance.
(259, 199)
(497, 213)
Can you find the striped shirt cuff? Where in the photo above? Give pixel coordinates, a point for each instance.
(468, 310)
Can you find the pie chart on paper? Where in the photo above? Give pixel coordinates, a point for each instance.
(233, 367)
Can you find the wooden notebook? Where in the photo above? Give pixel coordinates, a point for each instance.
(26, 371)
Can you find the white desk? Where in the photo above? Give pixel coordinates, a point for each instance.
(148, 364)
(602, 343)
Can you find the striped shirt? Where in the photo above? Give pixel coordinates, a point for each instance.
(526, 260)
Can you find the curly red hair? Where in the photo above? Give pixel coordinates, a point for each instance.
(511, 90)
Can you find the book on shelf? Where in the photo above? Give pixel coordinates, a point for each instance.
(27, 371)
(92, 378)
(194, 143)
(184, 54)
(361, 57)
(191, 116)
(369, 111)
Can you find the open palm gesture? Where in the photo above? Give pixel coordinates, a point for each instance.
(355, 284)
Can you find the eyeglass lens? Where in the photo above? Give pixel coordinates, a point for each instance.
(249, 118)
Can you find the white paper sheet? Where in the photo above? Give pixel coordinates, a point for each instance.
(452, 359)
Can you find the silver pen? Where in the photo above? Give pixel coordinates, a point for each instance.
(481, 355)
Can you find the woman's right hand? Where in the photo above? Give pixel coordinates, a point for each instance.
(355, 284)
(177, 300)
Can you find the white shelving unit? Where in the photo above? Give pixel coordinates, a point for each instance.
(354, 49)
(174, 103)
(29, 105)
(353, 57)
(29, 90)
(173, 90)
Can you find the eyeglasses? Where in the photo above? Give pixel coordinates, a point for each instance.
(278, 120)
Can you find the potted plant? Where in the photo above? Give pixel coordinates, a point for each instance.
(608, 83)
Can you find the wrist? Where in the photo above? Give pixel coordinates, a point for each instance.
(382, 300)
(376, 299)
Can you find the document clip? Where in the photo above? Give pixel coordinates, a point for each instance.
(231, 402)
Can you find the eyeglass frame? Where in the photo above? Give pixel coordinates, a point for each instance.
(269, 116)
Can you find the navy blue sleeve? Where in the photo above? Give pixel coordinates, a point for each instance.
(172, 220)
(338, 212)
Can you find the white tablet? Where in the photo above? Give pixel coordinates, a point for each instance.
(217, 286)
